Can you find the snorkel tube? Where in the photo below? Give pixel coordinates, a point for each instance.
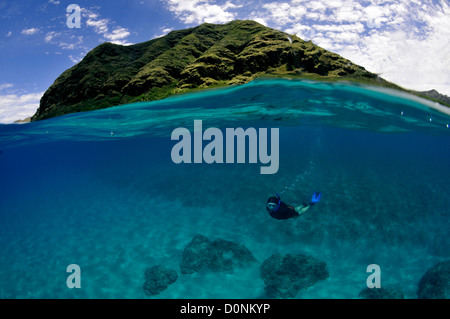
(279, 203)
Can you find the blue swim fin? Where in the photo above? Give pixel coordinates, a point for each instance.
(316, 197)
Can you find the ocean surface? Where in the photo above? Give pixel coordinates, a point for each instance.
(100, 190)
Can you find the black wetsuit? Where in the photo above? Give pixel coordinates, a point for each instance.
(283, 212)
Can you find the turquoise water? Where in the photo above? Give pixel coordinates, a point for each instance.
(100, 190)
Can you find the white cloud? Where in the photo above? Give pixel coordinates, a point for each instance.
(93, 20)
(316, 6)
(50, 35)
(9, 34)
(30, 31)
(102, 26)
(118, 36)
(164, 31)
(18, 107)
(167, 30)
(75, 44)
(413, 58)
(407, 42)
(75, 59)
(200, 11)
(281, 13)
(410, 61)
(6, 86)
(260, 21)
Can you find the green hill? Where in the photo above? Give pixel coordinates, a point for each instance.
(202, 57)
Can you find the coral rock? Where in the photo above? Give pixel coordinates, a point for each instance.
(218, 255)
(158, 279)
(435, 283)
(381, 293)
(285, 275)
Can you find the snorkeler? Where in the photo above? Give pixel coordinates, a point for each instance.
(279, 210)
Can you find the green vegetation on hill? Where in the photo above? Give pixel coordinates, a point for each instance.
(202, 57)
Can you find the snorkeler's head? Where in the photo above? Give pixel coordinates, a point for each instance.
(273, 203)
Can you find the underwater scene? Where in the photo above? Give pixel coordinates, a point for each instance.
(102, 191)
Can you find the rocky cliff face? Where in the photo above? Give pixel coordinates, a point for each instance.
(436, 96)
(205, 56)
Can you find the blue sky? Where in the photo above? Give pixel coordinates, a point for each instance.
(407, 42)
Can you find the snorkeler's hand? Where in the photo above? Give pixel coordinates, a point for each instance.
(316, 197)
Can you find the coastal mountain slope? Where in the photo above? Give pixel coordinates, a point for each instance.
(205, 56)
(435, 96)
